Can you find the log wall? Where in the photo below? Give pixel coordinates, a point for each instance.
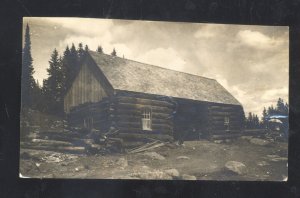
(127, 112)
(98, 112)
(217, 114)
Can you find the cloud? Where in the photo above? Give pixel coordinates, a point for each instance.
(257, 39)
(167, 58)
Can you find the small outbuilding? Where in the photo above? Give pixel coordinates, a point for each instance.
(133, 98)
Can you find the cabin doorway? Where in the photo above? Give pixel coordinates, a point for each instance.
(190, 121)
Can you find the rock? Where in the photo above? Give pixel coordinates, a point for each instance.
(122, 162)
(227, 140)
(183, 157)
(262, 163)
(188, 177)
(218, 141)
(236, 167)
(260, 142)
(172, 172)
(246, 137)
(154, 155)
(151, 174)
(79, 168)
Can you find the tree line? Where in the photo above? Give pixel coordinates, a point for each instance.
(61, 72)
(253, 122)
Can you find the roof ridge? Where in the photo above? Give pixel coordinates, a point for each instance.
(155, 66)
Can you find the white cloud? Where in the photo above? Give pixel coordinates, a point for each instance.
(208, 31)
(83, 26)
(167, 58)
(257, 39)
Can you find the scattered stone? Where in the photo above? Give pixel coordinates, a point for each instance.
(79, 168)
(154, 155)
(218, 141)
(188, 177)
(236, 167)
(151, 174)
(183, 157)
(260, 142)
(172, 172)
(122, 162)
(227, 140)
(263, 163)
(246, 137)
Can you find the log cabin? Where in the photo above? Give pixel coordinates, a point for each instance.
(137, 99)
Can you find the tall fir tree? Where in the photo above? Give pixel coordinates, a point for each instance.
(280, 107)
(28, 83)
(66, 67)
(53, 86)
(100, 49)
(86, 49)
(114, 52)
(264, 118)
(80, 52)
(73, 64)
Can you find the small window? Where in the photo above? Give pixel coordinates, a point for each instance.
(226, 122)
(147, 119)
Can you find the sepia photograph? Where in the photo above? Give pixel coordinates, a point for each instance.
(153, 100)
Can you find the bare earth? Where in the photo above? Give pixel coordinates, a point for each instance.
(203, 160)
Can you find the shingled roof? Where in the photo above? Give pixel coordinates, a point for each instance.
(128, 75)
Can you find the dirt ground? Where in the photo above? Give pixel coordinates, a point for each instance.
(202, 160)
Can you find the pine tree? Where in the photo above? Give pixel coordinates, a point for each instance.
(80, 52)
(73, 64)
(114, 53)
(53, 86)
(264, 117)
(100, 49)
(28, 82)
(66, 68)
(280, 107)
(86, 48)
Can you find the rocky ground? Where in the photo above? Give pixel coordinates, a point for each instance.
(245, 158)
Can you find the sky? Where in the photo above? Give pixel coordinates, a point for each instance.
(251, 62)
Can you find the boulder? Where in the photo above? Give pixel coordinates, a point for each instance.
(259, 141)
(172, 172)
(182, 158)
(188, 177)
(154, 155)
(236, 167)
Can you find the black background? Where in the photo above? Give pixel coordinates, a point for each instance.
(256, 12)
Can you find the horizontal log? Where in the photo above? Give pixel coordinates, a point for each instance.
(138, 136)
(144, 101)
(77, 150)
(138, 114)
(226, 136)
(131, 111)
(139, 125)
(139, 130)
(142, 107)
(139, 119)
